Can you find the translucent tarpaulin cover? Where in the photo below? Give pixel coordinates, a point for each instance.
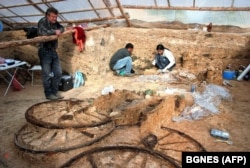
(206, 103)
(233, 12)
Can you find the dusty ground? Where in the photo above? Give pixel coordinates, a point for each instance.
(234, 116)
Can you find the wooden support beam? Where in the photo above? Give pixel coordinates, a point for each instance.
(169, 3)
(122, 12)
(39, 39)
(108, 4)
(189, 8)
(16, 15)
(93, 8)
(21, 25)
(155, 3)
(94, 20)
(193, 3)
(75, 11)
(36, 6)
(20, 5)
(232, 5)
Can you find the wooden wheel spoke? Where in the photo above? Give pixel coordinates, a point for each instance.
(90, 135)
(59, 114)
(167, 149)
(38, 136)
(130, 157)
(170, 143)
(165, 136)
(144, 161)
(91, 160)
(92, 115)
(102, 114)
(53, 140)
(121, 156)
(47, 116)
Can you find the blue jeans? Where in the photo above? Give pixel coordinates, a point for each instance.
(161, 62)
(124, 64)
(51, 70)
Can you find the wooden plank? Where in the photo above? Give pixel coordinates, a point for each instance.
(108, 4)
(41, 38)
(155, 1)
(28, 4)
(169, 3)
(22, 25)
(122, 12)
(93, 8)
(75, 11)
(189, 8)
(16, 15)
(94, 20)
(232, 5)
(35, 6)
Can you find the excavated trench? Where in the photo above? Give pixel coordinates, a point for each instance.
(114, 130)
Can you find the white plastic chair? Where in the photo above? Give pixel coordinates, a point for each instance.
(34, 68)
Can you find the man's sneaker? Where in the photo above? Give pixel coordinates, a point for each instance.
(122, 73)
(59, 96)
(119, 73)
(51, 97)
(129, 75)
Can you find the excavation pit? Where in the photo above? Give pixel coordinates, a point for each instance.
(85, 130)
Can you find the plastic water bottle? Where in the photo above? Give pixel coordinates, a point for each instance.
(220, 134)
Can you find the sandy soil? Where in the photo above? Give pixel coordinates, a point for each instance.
(233, 117)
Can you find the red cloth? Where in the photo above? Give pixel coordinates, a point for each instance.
(15, 85)
(80, 34)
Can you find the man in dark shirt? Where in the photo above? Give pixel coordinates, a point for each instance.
(51, 68)
(121, 61)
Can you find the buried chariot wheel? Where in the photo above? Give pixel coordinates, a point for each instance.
(121, 156)
(41, 140)
(65, 114)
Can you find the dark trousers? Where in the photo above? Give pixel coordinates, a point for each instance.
(161, 62)
(51, 70)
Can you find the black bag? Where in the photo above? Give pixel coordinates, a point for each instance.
(66, 83)
(31, 32)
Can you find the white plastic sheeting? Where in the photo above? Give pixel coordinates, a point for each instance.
(236, 18)
(206, 103)
(23, 11)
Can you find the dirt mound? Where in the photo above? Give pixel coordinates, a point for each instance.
(49, 134)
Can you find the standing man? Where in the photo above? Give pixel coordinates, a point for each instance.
(121, 61)
(49, 60)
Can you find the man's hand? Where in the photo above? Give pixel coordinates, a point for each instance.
(58, 32)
